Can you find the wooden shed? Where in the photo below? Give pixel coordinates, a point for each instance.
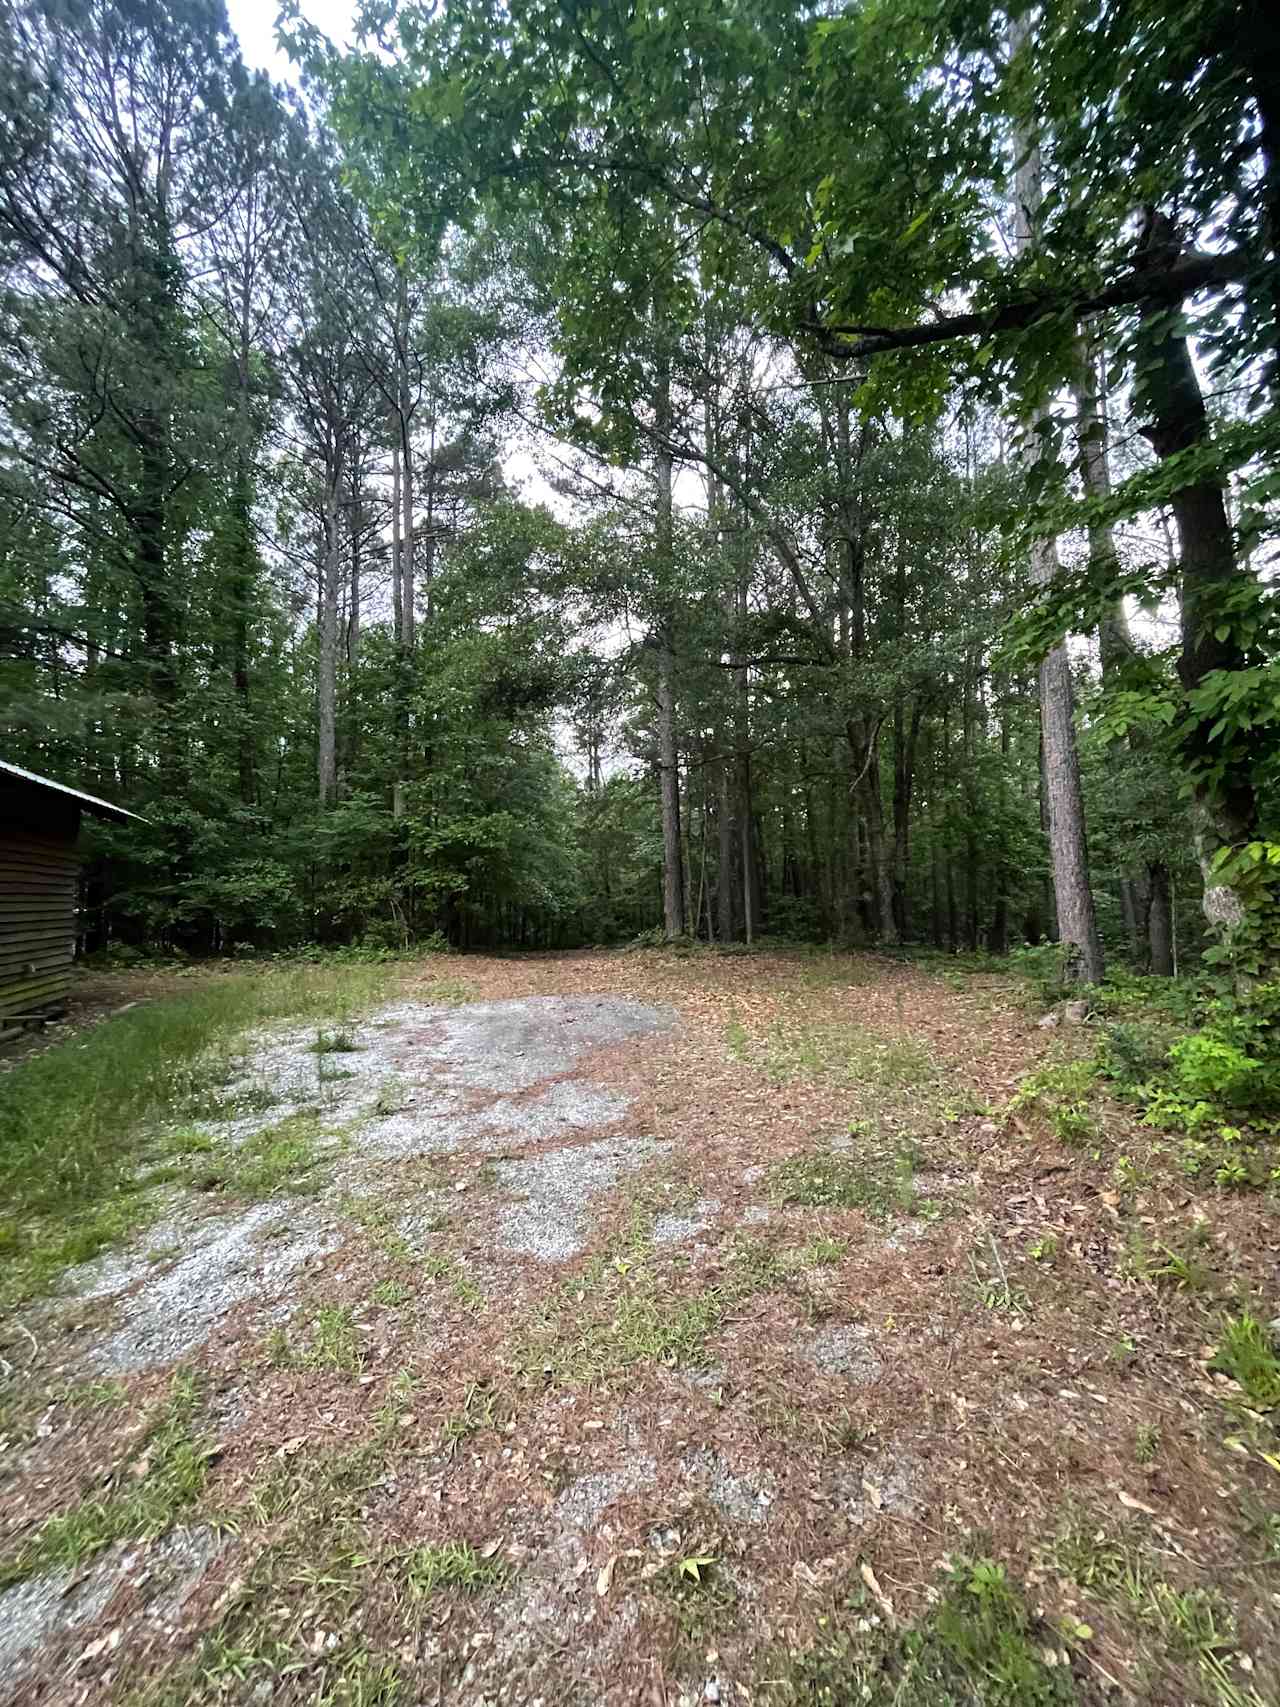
(39, 889)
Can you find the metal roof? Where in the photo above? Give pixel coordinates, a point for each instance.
(90, 802)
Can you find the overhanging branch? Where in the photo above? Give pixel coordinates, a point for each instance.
(1184, 278)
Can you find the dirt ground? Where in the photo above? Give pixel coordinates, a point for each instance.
(648, 1323)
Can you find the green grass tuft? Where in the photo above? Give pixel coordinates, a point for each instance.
(1247, 1354)
(166, 1476)
(455, 1565)
(880, 1188)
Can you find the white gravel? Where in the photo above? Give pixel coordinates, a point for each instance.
(551, 1218)
(845, 1349)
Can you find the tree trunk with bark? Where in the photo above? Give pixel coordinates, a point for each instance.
(1224, 806)
(673, 897)
(1077, 924)
(327, 625)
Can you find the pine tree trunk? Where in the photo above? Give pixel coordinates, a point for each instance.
(673, 898)
(327, 671)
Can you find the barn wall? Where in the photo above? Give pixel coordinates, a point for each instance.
(39, 877)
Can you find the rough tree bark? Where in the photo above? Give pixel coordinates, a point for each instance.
(1077, 925)
(673, 900)
(327, 673)
(1224, 809)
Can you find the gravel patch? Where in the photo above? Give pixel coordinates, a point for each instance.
(889, 1482)
(671, 1228)
(38, 1611)
(552, 1220)
(845, 1349)
(566, 1106)
(424, 1080)
(226, 1260)
(743, 1499)
(585, 1500)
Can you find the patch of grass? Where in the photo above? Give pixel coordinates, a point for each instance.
(794, 1049)
(1247, 1354)
(1187, 1627)
(1162, 1264)
(980, 1646)
(77, 1121)
(378, 1222)
(164, 1476)
(818, 1253)
(98, 1395)
(319, 1485)
(622, 1312)
(282, 1157)
(480, 1410)
(646, 1326)
(452, 1565)
(436, 1267)
(391, 1294)
(444, 990)
(335, 1341)
(879, 1188)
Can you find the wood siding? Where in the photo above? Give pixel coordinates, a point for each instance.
(39, 879)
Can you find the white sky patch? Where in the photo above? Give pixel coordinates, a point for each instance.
(254, 22)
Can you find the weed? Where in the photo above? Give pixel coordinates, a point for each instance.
(1062, 1094)
(998, 1292)
(980, 1646)
(335, 1341)
(1247, 1354)
(1146, 1443)
(1189, 1625)
(165, 1476)
(391, 1294)
(701, 1598)
(841, 1182)
(454, 1564)
(1164, 1265)
(393, 1096)
(339, 1042)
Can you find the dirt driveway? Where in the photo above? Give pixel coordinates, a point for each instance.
(636, 1328)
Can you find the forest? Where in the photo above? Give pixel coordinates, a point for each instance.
(574, 471)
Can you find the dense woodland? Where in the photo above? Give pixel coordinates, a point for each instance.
(566, 470)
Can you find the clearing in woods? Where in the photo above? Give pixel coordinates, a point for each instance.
(609, 1328)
